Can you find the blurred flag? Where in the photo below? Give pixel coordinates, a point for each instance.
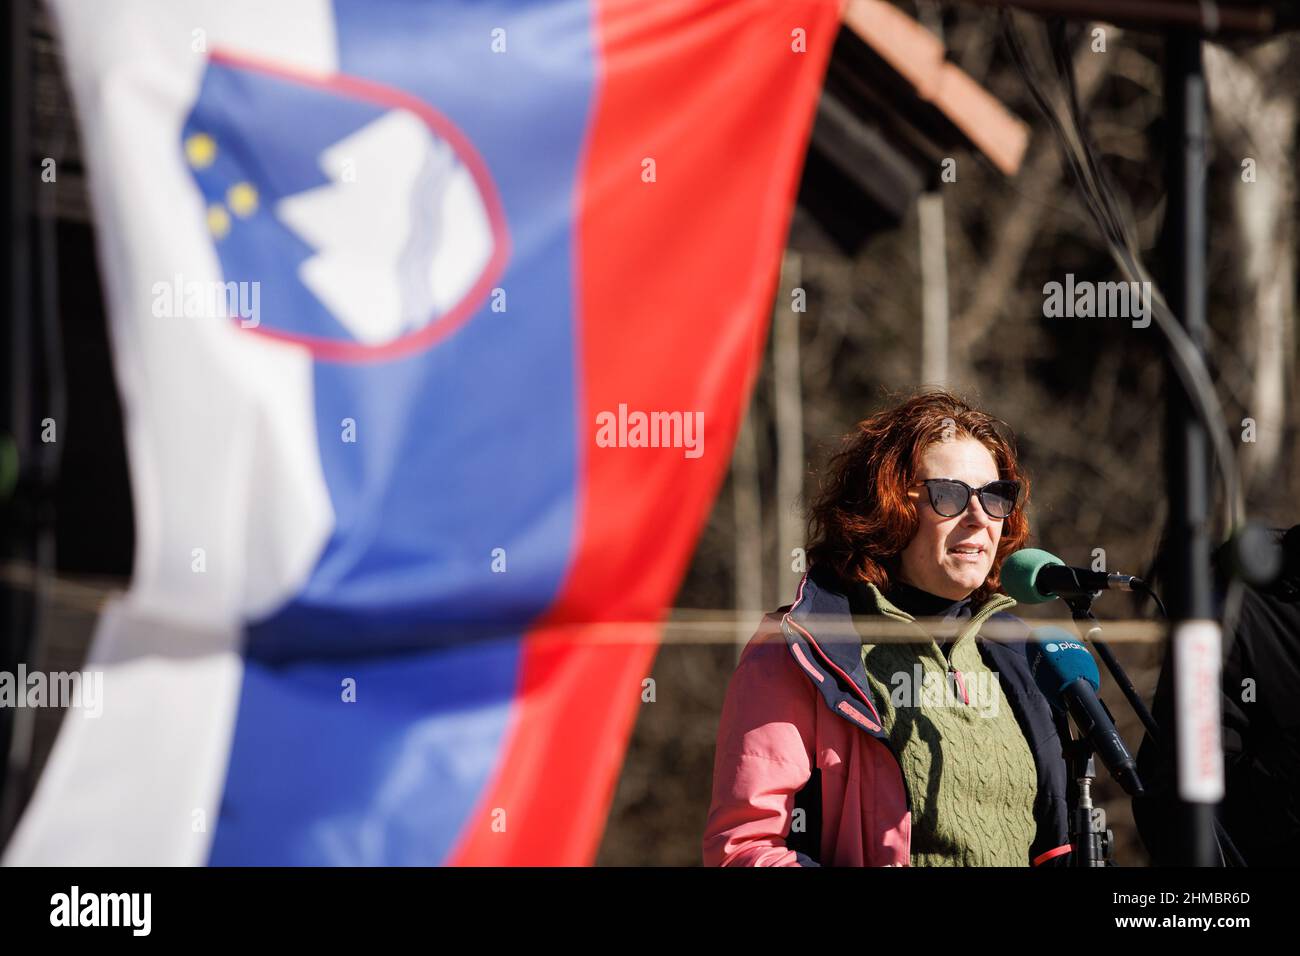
(433, 324)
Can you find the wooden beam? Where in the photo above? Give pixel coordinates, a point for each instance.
(918, 56)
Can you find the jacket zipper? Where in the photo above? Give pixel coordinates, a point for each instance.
(955, 675)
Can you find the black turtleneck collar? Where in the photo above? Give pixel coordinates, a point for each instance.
(906, 598)
(920, 603)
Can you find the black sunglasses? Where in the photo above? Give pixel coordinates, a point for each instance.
(950, 496)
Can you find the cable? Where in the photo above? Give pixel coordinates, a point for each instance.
(1144, 588)
(1117, 234)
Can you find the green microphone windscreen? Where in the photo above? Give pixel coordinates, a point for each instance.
(1019, 571)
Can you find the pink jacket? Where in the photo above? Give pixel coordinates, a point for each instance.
(799, 731)
(774, 730)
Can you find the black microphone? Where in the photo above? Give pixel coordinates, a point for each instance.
(1032, 576)
(1067, 675)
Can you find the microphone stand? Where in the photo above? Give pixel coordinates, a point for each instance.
(1091, 839)
(1090, 630)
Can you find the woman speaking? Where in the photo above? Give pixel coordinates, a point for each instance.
(842, 745)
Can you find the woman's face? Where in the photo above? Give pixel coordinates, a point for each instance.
(938, 559)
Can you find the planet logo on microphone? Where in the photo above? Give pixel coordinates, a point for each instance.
(1063, 646)
(1056, 659)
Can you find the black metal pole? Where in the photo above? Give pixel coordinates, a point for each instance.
(1187, 474)
(16, 541)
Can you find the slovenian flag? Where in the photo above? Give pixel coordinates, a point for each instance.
(433, 324)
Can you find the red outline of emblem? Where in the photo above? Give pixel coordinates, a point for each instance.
(336, 350)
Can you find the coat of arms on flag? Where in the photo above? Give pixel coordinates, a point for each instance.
(369, 220)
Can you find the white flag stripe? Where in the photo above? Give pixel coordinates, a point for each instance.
(231, 508)
(141, 784)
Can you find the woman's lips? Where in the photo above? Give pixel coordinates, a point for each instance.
(967, 553)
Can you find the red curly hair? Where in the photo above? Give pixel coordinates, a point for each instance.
(862, 518)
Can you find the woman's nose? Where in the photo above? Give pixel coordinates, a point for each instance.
(975, 513)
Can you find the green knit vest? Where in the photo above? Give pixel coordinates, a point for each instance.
(968, 767)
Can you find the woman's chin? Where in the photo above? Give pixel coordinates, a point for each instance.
(966, 580)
